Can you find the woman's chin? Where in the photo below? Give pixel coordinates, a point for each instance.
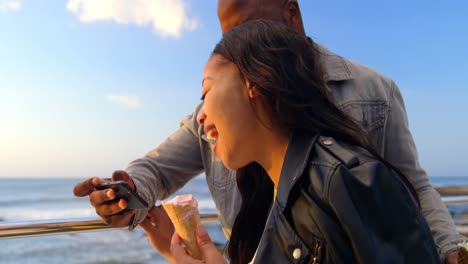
(215, 149)
(232, 164)
(226, 162)
(230, 161)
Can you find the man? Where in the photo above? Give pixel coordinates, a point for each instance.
(369, 97)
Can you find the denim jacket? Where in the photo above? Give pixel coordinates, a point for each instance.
(366, 95)
(336, 203)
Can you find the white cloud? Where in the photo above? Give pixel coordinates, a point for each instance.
(10, 4)
(167, 17)
(125, 100)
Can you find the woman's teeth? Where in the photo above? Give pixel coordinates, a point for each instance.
(211, 137)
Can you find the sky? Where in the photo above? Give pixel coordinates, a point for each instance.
(87, 86)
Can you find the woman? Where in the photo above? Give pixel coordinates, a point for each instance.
(314, 190)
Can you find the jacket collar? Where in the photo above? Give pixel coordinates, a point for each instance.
(334, 66)
(295, 161)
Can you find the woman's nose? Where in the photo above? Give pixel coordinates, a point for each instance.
(201, 116)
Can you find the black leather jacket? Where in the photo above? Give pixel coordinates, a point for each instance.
(337, 204)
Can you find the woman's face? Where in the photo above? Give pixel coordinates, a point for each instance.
(227, 114)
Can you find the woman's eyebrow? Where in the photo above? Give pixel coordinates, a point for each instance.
(206, 78)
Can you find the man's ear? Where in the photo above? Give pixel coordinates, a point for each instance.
(292, 15)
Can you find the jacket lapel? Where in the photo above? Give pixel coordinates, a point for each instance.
(297, 155)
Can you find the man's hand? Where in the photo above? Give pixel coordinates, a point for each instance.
(452, 257)
(210, 253)
(112, 212)
(159, 230)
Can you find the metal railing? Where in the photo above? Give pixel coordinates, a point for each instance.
(452, 190)
(21, 229)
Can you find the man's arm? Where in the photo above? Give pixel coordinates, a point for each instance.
(157, 175)
(168, 167)
(400, 150)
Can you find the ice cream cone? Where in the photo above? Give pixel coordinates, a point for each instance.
(183, 212)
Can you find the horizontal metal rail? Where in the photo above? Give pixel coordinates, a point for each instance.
(21, 229)
(452, 190)
(451, 200)
(463, 230)
(32, 228)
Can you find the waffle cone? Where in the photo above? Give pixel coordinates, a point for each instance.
(185, 218)
(462, 255)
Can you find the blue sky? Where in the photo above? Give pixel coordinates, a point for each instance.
(86, 86)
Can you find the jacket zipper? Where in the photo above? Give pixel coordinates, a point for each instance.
(316, 258)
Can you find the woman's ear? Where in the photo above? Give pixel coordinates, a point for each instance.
(252, 91)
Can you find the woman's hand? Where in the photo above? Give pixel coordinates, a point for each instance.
(210, 253)
(159, 230)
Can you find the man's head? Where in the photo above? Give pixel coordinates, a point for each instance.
(234, 12)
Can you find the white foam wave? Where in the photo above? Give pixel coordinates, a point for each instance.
(206, 204)
(20, 215)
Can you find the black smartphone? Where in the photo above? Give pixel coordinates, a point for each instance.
(123, 190)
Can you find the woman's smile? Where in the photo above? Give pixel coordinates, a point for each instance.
(211, 136)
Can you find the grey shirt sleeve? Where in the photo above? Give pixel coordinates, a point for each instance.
(167, 168)
(400, 150)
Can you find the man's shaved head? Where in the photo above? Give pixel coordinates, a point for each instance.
(234, 12)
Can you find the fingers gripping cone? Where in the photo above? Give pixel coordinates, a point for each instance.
(183, 212)
(463, 253)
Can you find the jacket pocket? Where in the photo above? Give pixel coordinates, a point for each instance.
(371, 115)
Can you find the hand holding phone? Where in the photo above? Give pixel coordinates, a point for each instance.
(123, 190)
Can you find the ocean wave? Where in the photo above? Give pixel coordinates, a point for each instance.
(47, 210)
(38, 214)
(32, 200)
(206, 204)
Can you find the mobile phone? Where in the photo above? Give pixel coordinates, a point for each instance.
(123, 190)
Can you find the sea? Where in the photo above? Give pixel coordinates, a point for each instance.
(40, 199)
(52, 198)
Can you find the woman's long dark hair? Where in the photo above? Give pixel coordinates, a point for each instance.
(284, 68)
